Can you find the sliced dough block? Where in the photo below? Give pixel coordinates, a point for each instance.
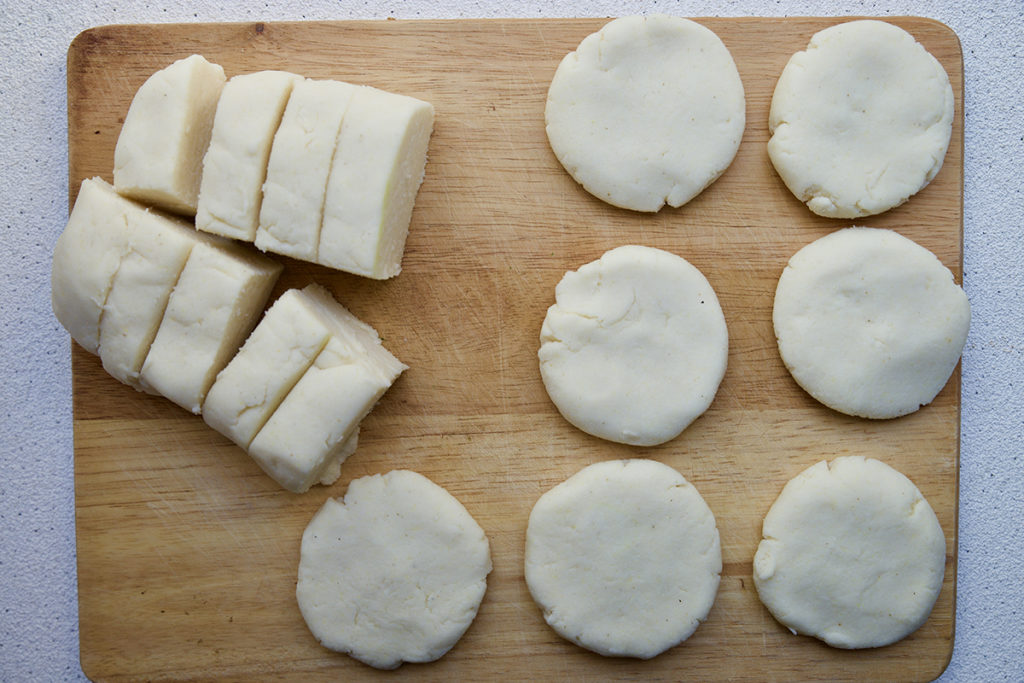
(160, 247)
(869, 322)
(86, 258)
(310, 427)
(852, 554)
(377, 171)
(248, 114)
(300, 161)
(283, 346)
(216, 303)
(648, 111)
(634, 347)
(159, 154)
(860, 120)
(394, 572)
(623, 558)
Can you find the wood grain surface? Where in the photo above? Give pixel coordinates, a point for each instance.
(187, 552)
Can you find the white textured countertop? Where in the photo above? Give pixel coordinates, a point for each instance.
(38, 602)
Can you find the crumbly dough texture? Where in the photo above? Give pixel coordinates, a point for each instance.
(623, 558)
(860, 120)
(635, 346)
(852, 554)
(648, 111)
(395, 572)
(869, 322)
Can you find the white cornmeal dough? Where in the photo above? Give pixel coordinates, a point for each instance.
(648, 111)
(860, 120)
(852, 554)
(248, 114)
(869, 322)
(623, 558)
(635, 346)
(158, 158)
(395, 572)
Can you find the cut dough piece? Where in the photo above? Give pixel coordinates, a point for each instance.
(86, 258)
(647, 111)
(395, 572)
(860, 120)
(217, 301)
(284, 344)
(623, 558)
(159, 154)
(300, 161)
(377, 171)
(312, 425)
(248, 114)
(160, 247)
(869, 322)
(852, 554)
(635, 346)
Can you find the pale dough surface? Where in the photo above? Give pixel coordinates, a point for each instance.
(623, 558)
(851, 554)
(860, 120)
(648, 111)
(394, 572)
(634, 347)
(869, 322)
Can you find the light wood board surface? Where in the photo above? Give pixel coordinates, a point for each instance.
(187, 552)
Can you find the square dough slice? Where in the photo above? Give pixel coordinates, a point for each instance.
(286, 341)
(160, 247)
(216, 303)
(377, 171)
(310, 427)
(159, 154)
(300, 161)
(248, 114)
(86, 258)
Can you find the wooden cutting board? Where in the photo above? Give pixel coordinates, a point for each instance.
(187, 553)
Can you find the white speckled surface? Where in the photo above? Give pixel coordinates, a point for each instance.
(38, 604)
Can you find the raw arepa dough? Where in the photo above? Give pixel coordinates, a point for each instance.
(392, 573)
(158, 158)
(635, 346)
(852, 554)
(869, 322)
(860, 120)
(623, 558)
(648, 111)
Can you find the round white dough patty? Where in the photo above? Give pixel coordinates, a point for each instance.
(393, 573)
(623, 558)
(634, 347)
(852, 554)
(647, 111)
(869, 322)
(860, 120)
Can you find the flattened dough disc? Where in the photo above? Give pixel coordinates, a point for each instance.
(623, 558)
(648, 111)
(852, 554)
(869, 322)
(393, 573)
(860, 120)
(634, 347)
